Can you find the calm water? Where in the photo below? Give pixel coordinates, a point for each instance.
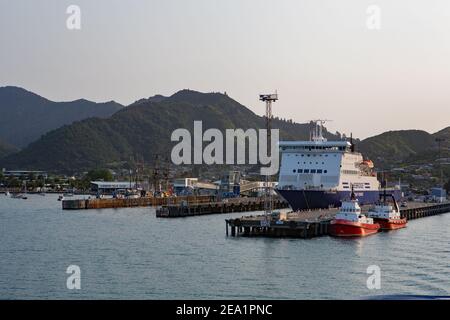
(129, 254)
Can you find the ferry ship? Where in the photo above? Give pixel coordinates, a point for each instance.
(319, 173)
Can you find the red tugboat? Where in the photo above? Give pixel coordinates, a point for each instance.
(351, 222)
(387, 215)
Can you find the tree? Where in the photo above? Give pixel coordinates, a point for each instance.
(14, 183)
(447, 186)
(99, 174)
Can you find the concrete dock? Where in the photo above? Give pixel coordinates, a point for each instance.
(78, 204)
(314, 223)
(243, 204)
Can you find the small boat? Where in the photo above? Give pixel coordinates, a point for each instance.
(351, 222)
(18, 196)
(7, 194)
(387, 215)
(132, 194)
(61, 198)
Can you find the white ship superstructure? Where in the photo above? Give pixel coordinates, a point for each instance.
(320, 173)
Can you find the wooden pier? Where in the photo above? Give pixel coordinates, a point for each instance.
(315, 223)
(78, 204)
(186, 209)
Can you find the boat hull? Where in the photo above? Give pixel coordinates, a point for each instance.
(320, 199)
(391, 224)
(344, 228)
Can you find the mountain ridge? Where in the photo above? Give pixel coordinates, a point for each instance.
(27, 115)
(142, 128)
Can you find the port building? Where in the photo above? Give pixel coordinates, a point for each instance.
(111, 186)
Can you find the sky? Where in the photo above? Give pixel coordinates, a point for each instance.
(320, 55)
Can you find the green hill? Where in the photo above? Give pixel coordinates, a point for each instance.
(445, 135)
(6, 149)
(404, 147)
(25, 116)
(142, 128)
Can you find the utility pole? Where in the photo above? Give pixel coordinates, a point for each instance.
(268, 201)
(441, 173)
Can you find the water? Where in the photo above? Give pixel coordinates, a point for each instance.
(130, 254)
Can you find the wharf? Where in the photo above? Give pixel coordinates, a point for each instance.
(314, 223)
(243, 204)
(102, 203)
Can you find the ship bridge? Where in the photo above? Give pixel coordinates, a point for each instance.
(296, 146)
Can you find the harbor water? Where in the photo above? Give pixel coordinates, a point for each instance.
(128, 253)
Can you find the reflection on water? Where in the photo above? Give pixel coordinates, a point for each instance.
(128, 253)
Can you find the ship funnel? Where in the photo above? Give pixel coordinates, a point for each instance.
(317, 132)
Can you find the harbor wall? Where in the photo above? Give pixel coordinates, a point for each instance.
(243, 204)
(78, 204)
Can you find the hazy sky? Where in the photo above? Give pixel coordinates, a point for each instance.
(318, 54)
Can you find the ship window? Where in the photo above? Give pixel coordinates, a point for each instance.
(313, 170)
(326, 155)
(309, 155)
(293, 170)
(319, 170)
(325, 171)
(303, 155)
(306, 171)
(300, 170)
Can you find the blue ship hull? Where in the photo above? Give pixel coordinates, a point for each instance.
(320, 199)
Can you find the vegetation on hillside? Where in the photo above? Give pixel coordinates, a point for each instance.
(25, 116)
(141, 129)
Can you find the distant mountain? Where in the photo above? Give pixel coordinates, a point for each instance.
(445, 135)
(404, 147)
(142, 128)
(25, 116)
(6, 149)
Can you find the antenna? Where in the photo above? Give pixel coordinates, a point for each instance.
(268, 99)
(352, 145)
